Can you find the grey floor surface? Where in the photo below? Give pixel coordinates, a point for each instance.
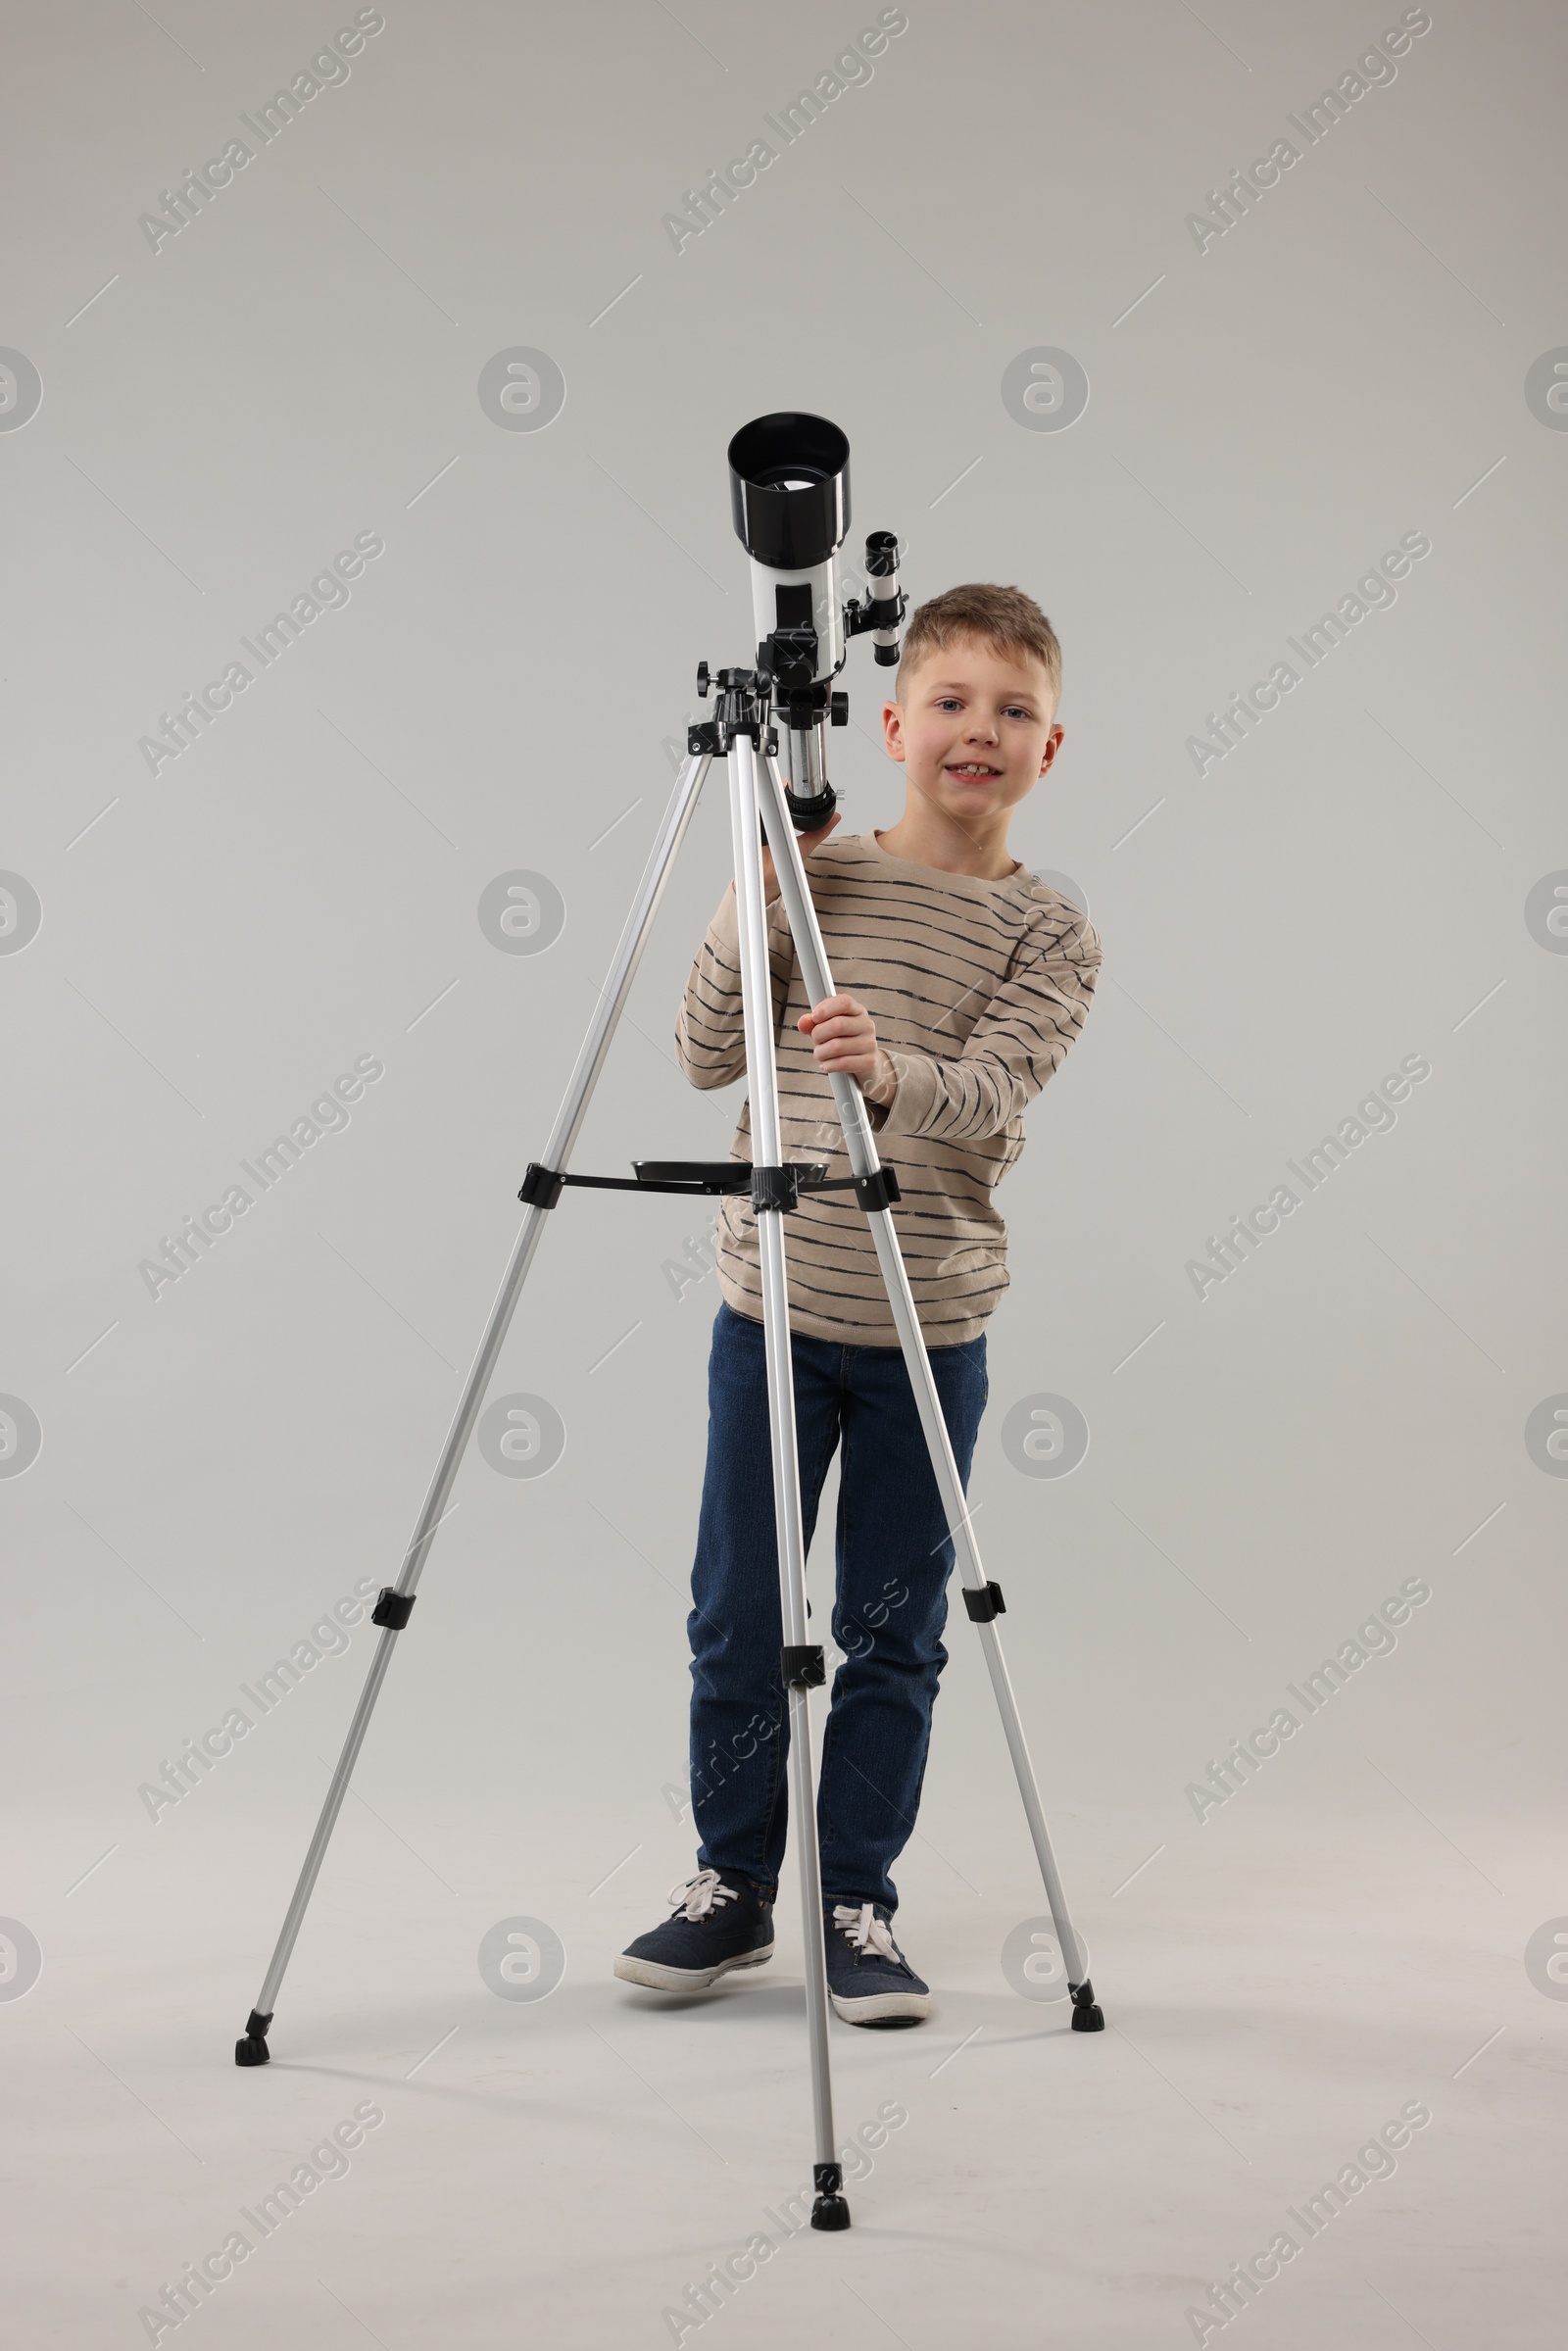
(565, 2169)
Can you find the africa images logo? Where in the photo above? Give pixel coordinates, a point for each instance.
(329, 591)
(327, 1115)
(850, 69)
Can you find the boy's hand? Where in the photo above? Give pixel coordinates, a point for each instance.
(808, 841)
(844, 1042)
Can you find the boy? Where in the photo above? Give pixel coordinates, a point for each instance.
(963, 981)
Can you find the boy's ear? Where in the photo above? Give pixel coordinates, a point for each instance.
(893, 729)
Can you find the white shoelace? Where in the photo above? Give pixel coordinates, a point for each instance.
(697, 1898)
(866, 1931)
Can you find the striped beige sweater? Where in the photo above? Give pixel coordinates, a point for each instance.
(978, 989)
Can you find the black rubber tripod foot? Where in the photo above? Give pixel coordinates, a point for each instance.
(1086, 2016)
(830, 2210)
(251, 2048)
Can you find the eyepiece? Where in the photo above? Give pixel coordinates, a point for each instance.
(789, 487)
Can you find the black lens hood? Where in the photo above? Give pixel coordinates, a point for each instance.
(789, 487)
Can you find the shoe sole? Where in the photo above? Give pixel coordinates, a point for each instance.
(674, 1978)
(885, 2008)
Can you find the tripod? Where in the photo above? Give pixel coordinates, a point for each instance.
(742, 734)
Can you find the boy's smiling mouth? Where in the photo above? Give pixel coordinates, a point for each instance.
(974, 770)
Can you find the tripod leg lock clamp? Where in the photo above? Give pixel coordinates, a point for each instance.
(541, 1187)
(879, 1190)
(803, 1668)
(393, 1609)
(775, 1188)
(985, 1603)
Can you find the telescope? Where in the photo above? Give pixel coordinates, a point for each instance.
(789, 487)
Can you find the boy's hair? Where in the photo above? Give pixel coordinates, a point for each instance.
(1005, 618)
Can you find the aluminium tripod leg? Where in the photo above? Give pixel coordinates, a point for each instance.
(394, 1605)
(982, 1599)
(801, 1665)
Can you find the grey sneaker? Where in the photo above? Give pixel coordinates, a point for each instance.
(870, 1980)
(716, 1925)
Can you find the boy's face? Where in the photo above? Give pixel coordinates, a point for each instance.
(976, 730)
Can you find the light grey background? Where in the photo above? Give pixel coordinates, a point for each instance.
(302, 886)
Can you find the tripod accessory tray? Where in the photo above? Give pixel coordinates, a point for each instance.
(770, 1187)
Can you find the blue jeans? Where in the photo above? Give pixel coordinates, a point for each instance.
(893, 1560)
